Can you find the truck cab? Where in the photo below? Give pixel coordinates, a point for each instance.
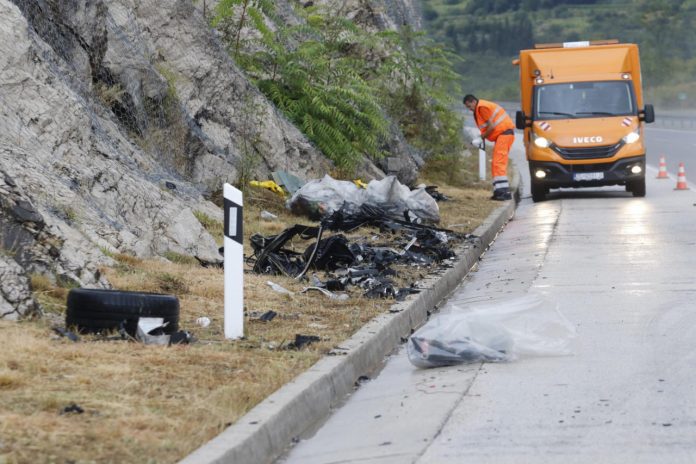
(582, 113)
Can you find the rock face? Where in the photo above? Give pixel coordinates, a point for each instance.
(403, 161)
(378, 14)
(166, 78)
(15, 298)
(235, 123)
(91, 184)
(38, 247)
(117, 120)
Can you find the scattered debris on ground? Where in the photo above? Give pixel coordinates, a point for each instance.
(438, 196)
(279, 288)
(203, 321)
(72, 409)
(328, 293)
(365, 263)
(289, 182)
(499, 331)
(301, 341)
(268, 216)
(66, 333)
(268, 316)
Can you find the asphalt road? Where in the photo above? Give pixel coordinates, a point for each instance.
(678, 146)
(621, 271)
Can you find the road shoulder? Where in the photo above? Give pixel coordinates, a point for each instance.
(268, 429)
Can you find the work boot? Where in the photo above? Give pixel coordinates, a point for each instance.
(502, 194)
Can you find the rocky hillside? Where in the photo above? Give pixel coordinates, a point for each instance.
(120, 120)
(379, 15)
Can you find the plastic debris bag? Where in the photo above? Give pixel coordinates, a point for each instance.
(396, 198)
(318, 198)
(495, 332)
(321, 198)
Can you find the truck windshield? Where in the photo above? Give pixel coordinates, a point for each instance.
(583, 100)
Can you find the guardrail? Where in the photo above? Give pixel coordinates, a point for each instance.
(669, 120)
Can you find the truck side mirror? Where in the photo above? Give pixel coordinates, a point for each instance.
(648, 114)
(520, 120)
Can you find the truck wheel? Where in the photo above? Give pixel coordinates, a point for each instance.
(97, 310)
(637, 187)
(538, 192)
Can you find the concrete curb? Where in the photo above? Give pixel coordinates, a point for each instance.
(266, 431)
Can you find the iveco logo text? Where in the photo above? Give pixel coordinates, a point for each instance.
(597, 139)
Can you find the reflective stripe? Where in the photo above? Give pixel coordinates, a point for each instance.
(495, 113)
(483, 126)
(500, 182)
(497, 122)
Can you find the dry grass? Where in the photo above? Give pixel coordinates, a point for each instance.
(467, 208)
(157, 404)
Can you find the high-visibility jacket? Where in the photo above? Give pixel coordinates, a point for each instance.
(489, 114)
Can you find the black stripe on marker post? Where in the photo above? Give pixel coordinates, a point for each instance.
(233, 221)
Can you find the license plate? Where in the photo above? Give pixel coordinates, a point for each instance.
(588, 176)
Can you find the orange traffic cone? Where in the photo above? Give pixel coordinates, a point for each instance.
(662, 174)
(681, 178)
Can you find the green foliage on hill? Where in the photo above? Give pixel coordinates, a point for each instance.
(489, 33)
(342, 85)
(304, 71)
(417, 86)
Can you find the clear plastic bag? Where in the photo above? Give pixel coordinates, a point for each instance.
(319, 198)
(396, 198)
(502, 331)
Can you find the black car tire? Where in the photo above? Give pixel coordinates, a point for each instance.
(637, 187)
(97, 310)
(538, 192)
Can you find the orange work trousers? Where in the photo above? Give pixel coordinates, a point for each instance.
(500, 155)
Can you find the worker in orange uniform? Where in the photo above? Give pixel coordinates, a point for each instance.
(496, 126)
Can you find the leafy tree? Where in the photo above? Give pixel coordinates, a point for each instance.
(417, 84)
(308, 73)
(247, 10)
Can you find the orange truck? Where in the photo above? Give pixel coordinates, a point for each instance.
(582, 113)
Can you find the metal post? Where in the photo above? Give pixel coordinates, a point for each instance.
(234, 263)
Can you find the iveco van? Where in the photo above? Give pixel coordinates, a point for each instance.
(583, 115)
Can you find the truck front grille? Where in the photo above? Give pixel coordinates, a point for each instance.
(606, 151)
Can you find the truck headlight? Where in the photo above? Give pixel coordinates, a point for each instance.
(541, 142)
(632, 137)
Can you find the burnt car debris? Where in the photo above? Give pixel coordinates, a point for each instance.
(363, 263)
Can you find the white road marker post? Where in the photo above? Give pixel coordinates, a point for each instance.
(234, 263)
(482, 162)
